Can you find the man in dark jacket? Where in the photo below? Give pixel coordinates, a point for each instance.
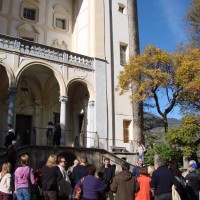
(193, 182)
(136, 169)
(10, 136)
(108, 173)
(162, 181)
(124, 184)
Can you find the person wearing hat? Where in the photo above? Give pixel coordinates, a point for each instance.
(193, 182)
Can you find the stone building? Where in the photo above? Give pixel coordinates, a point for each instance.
(59, 61)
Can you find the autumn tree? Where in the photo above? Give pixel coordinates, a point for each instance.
(188, 77)
(187, 135)
(193, 21)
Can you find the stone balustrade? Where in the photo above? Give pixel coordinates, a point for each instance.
(29, 48)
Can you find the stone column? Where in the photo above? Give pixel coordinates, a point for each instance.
(63, 102)
(11, 106)
(91, 125)
(85, 111)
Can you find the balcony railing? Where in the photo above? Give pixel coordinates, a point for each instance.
(29, 48)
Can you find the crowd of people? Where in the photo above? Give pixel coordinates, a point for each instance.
(54, 181)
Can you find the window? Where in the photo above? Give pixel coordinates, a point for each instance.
(123, 48)
(126, 125)
(61, 23)
(121, 8)
(29, 14)
(29, 11)
(61, 18)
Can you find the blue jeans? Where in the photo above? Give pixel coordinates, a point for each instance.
(142, 157)
(23, 194)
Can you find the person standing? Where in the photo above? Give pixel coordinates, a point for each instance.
(193, 182)
(5, 182)
(162, 181)
(144, 181)
(12, 155)
(50, 176)
(22, 174)
(57, 134)
(93, 187)
(64, 185)
(10, 136)
(80, 170)
(136, 169)
(140, 151)
(50, 134)
(124, 184)
(108, 175)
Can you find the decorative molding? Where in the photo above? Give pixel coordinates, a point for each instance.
(59, 8)
(61, 45)
(63, 99)
(3, 56)
(12, 91)
(80, 73)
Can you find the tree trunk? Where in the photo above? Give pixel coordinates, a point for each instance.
(134, 50)
(165, 121)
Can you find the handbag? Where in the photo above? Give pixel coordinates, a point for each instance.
(78, 193)
(79, 190)
(31, 187)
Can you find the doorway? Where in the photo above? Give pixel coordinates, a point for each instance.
(23, 129)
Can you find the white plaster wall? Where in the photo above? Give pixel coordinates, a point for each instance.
(123, 108)
(5, 7)
(3, 24)
(101, 102)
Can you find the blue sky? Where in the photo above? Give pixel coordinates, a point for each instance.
(161, 24)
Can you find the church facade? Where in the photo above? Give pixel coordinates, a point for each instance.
(59, 61)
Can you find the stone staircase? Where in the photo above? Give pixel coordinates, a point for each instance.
(39, 154)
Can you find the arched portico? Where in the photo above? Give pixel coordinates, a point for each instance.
(81, 113)
(7, 96)
(39, 88)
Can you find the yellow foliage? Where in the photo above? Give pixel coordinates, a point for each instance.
(156, 68)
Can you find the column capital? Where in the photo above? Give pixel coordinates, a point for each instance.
(91, 103)
(63, 99)
(12, 91)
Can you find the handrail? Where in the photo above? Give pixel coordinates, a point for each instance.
(34, 49)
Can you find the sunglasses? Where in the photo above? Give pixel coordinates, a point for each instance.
(63, 161)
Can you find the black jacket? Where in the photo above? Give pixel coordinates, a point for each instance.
(50, 177)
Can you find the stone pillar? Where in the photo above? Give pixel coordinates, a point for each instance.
(85, 111)
(11, 106)
(91, 125)
(63, 102)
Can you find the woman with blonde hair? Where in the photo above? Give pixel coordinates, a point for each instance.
(5, 182)
(150, 170)
(22, 174)
(50, 176)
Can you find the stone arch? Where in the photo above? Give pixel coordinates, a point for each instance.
(57, 75)
(80, 95)
(10, 74)
(87, 84)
